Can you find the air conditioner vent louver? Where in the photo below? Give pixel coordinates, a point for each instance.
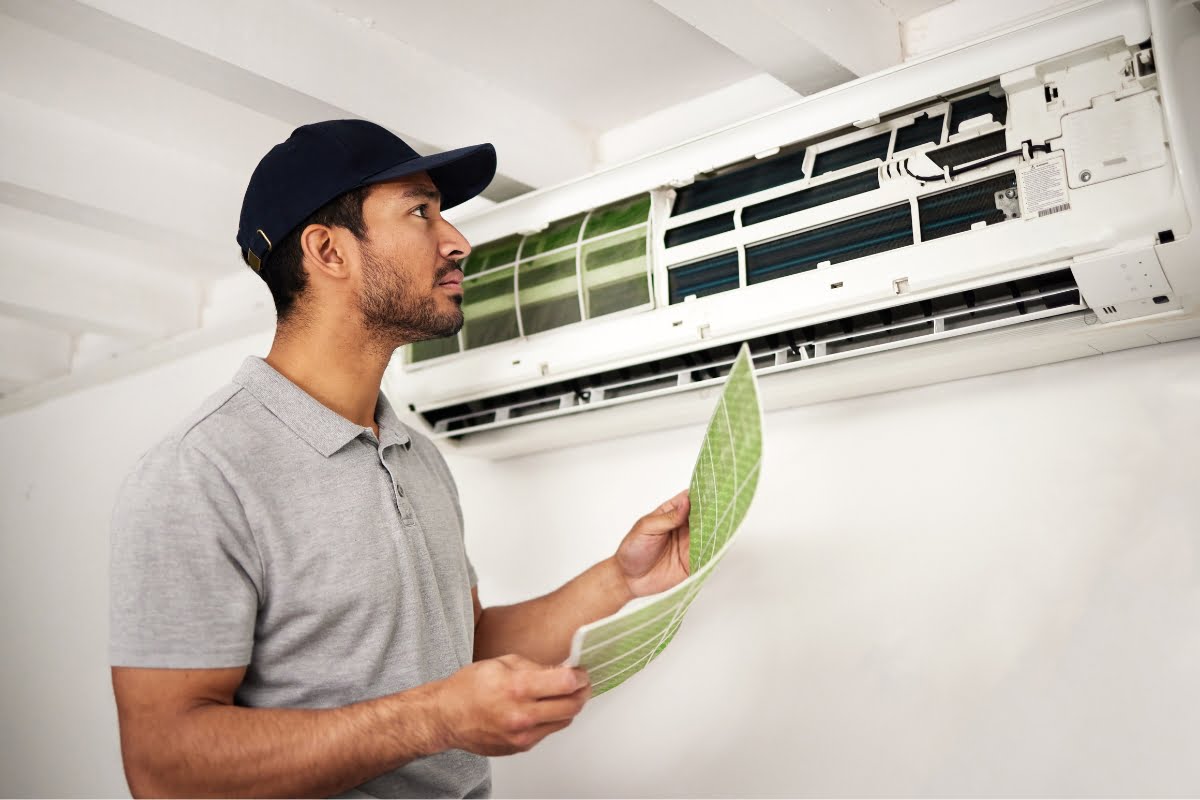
(981, 308)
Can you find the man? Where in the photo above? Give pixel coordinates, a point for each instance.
(293, 610)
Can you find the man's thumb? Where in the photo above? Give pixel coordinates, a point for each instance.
(673, 508)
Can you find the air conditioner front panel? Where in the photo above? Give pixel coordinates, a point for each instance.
(1043, 170)
(1015, 248)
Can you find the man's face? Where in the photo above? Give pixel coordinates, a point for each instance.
(411, 284)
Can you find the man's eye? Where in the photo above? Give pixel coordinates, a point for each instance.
(422, 211)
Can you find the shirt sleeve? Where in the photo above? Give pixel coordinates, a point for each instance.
(185, 574)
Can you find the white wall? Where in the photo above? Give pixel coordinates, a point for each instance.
(990, 586)
(63, 462)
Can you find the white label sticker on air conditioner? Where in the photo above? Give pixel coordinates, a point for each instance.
(1042, 186)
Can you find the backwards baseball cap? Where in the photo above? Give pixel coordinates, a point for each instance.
(318, 162)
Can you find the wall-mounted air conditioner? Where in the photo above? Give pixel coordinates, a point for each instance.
(1018, 201)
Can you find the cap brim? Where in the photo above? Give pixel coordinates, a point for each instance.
(458, 174)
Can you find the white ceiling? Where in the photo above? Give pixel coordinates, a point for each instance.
(599, 65)
(131, 126)
(907, 9)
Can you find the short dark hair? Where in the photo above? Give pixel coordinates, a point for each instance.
(284, 271)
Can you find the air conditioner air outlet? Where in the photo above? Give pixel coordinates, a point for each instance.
(954, 314)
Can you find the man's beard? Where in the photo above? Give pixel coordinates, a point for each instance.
(396, 309)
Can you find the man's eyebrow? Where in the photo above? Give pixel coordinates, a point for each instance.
(423, 192)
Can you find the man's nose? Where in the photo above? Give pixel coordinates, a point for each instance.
(453, 246)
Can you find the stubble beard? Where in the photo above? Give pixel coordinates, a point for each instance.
(395, 310)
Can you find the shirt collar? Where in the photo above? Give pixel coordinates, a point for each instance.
(322, 427)
(391, 429)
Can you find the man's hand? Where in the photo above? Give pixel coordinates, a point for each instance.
(654, 555)
(508, 704)
(652, 558)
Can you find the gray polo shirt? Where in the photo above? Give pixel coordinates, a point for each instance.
(270, 532)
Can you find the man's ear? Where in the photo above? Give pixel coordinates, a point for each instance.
(325, 250)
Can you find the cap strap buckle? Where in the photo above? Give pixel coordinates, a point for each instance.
(253, 258)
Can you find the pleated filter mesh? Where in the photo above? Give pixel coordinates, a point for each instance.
(723, 483)
(602, 254)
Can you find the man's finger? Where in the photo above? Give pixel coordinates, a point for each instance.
(554, 682)
(556, 709)
(666, 518)
(675, 503)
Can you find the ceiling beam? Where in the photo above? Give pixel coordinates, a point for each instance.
(810, 45)
(113, 236)
(692, 118)
(48, 152)
(958, 23)
(73, 289)
(247, 53)
(42, 352)
(95, 348)
(48, 69)
(122, 68)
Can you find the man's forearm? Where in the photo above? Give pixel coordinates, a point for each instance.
(541, 629)
(224, 750)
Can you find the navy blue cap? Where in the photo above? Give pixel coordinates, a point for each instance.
(318, 162)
